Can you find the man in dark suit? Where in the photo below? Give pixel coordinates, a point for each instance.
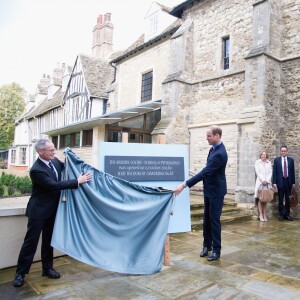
(214, 188)
(284, 181)
(45, 175)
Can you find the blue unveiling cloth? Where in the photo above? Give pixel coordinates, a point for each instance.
(111, 223)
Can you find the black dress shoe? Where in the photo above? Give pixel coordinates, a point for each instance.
(280, 218)
(51, 273)
(19, 280)
(204, 251)
(289, 218)
(214, 256)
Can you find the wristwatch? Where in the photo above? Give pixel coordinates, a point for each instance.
(184, 185)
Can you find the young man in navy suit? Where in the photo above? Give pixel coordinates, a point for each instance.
(284, 181)
(41, 209)
(214, 189)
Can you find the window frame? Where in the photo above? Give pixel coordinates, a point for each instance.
(226, 52)
(147, 86)
(87, 138)
(72, 137)
(22, 155)
(13, 156)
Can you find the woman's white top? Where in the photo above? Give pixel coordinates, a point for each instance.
(263, 171)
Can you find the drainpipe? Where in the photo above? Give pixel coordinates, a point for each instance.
(114, 66)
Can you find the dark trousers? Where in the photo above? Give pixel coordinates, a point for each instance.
(34, 229)
(212, 223)
(284, 193)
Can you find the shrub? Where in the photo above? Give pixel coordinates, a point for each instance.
(14, 185)
(11, 190)
(2, 189)
(24, 185)
(8, 179)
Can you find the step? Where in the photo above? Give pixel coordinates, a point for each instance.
(226, 219)
(226, 209)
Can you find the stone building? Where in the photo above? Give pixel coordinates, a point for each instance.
(234, 63)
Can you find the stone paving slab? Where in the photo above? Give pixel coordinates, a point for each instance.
(259, 261)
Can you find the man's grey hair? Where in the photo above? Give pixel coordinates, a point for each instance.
(41, 144)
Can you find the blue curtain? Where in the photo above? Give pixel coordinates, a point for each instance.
(111, 223)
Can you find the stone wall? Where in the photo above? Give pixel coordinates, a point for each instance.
(290, 38)
(129, 76)
(256, 101)
(290, 111)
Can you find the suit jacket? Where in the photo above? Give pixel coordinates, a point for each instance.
(46, 189)
(213, 175)
(278, 172)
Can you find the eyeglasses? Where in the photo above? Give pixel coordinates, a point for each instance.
(50, 150)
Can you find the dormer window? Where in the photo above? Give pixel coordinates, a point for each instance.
(153, 23)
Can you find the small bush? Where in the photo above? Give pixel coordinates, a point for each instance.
(2, 189)
(8, 179)
(14, 185)
(24, 185)
(11, 190)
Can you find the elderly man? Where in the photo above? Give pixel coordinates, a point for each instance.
(45, 175)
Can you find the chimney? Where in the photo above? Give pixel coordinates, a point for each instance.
(103, 37)
(42, 87)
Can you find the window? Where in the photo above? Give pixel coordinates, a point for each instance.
(22, 156)
(226, 48)
(75, 110)
(70, 140)
(55, 141)
(153, 24)
(87, 138)
(139, 128)
(13, 156)
(147, 86)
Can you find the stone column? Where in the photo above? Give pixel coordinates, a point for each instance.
(258, 124)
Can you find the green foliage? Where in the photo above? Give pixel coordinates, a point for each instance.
(2, 189)
(23, 184)
(11, 190)
(14, 185)
(12, 105)
(8, 179)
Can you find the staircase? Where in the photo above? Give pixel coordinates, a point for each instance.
(230, 213)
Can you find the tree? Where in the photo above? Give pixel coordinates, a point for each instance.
(12, 104)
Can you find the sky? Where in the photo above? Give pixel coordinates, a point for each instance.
(35, 35)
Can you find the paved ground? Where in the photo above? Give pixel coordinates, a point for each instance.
(259, 261)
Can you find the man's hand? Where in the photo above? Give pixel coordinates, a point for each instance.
(84, 178)
(179, 189)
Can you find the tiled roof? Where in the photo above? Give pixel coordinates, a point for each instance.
(98, 75)
(164, 8)
(24, 115)
(47, 105)
(177, 11)
(140, 43)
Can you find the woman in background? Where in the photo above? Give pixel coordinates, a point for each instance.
(263, 171)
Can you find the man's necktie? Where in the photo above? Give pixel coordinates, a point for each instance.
(284, 168)
(210, 151)
(52, 169)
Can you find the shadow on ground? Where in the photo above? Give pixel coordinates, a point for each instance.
(260, 260)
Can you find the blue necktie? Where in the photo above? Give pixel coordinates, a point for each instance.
(52, 169)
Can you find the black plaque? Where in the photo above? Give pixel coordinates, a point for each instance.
(145, 168)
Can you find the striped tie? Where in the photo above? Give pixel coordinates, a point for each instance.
(52, 169)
